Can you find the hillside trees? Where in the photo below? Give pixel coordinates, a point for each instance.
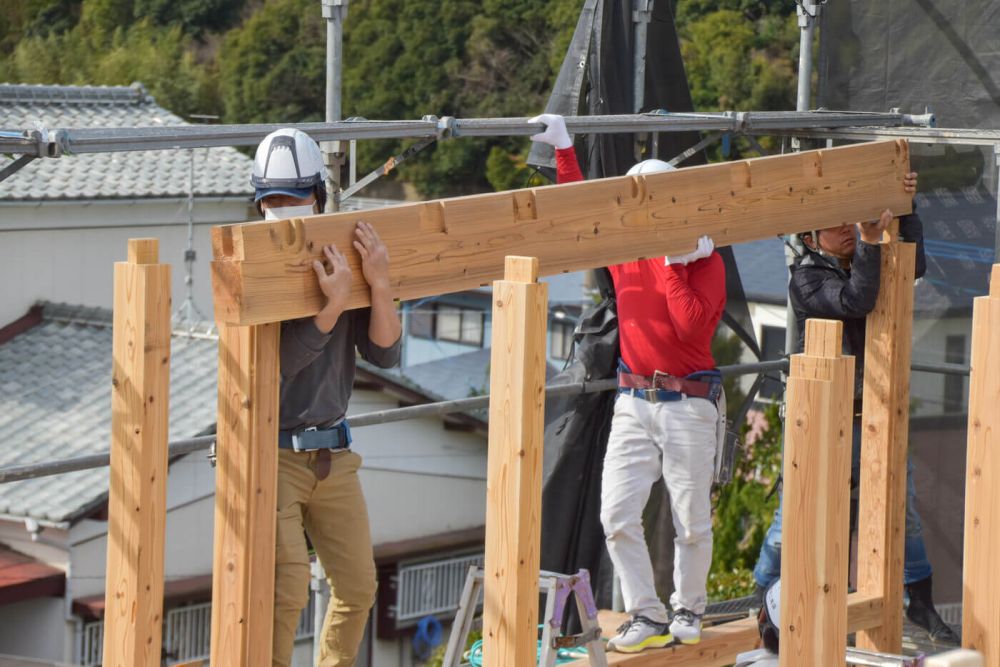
(264, 61)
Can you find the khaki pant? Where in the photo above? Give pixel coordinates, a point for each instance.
(333, 513)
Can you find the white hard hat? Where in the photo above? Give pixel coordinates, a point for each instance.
(287, 162)
(651, 166)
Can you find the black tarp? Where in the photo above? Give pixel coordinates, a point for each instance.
(596, 78)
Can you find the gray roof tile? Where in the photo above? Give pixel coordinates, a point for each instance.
(142, 174)
(55, 403)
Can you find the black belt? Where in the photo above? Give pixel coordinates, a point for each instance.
(310, 439)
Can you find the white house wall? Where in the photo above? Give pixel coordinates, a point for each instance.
(189, 531)
(66, 252)
(36, 629)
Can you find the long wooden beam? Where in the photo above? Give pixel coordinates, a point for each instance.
(980, 583)
(263, 271)
(884, 441)
(817, 474)
(137, 512)
(720, 644)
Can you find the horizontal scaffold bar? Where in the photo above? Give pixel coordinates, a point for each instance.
(55, 142)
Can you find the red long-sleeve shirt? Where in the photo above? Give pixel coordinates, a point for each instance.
(667, 314)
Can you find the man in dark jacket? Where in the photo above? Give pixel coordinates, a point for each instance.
(837, 277)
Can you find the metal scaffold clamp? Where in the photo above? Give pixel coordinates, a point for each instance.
(335, 9)
(808, 11)
(446, 126)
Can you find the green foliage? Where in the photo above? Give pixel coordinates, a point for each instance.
(265, 61)
(273, 68)
(743, 511)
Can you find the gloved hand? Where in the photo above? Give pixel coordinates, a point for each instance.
(555, 133)
(704, 249)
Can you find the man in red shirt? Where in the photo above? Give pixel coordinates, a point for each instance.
(665, 421)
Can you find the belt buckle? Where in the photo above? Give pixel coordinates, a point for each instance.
(295, 440)
(659, 374)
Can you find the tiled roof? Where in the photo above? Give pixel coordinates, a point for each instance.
(457, 376)
(142, 174)
(55, 403)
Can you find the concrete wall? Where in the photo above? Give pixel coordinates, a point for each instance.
(66, 252)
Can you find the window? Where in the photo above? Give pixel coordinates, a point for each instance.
(560, 339)
(954, 385)
(772, 347)
(445, 322)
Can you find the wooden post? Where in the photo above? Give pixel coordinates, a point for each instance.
(981, 585)
(140, 391)
(514, 469)
(885, 431)
(245, 495)
(817, 474)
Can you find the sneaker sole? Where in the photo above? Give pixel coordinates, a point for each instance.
(690, 642)
(656, 641)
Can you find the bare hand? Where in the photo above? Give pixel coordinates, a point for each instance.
(871, 232)
(910, 182)
(335, 285)
(374, 256)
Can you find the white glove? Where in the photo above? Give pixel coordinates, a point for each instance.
(555, 133)
(704, 249)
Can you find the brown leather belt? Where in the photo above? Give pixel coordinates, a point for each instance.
(666, 382)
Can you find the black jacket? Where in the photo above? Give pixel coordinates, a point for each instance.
(820, 288)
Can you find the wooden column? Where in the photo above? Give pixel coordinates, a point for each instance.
(981, 584)
(140, 392)
(245, 496)
(817, 477)
(885, 432)
(514, 475)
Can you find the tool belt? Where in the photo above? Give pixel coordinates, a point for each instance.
(665, 387)
(336, 436)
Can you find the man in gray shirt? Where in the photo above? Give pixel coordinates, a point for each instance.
(319, 493)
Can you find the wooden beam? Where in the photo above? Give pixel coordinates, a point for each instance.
(263, 271)
(514, 467)
(980, 584)
(245, 495)
(884, 441)
(817, 480)
(140, 392)
(720, 644)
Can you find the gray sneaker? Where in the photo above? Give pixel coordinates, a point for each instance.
(686, 626)
(639, 633)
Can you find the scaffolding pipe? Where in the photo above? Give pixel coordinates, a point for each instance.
(190, 445)
(334, 11)
(64, 141)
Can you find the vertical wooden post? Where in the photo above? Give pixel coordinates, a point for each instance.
(884, 440)
(514, 469)
(817, 474)
(980, 583)
(245, 495)
(140, 392)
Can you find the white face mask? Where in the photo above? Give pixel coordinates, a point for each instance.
(285, 212)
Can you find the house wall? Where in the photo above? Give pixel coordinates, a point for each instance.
(36, 629)
(76, 264)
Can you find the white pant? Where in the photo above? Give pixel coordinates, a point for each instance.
(675, 439)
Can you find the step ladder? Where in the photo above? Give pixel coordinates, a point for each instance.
(557, 589)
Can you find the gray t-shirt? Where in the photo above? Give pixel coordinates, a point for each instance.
(317, 370)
